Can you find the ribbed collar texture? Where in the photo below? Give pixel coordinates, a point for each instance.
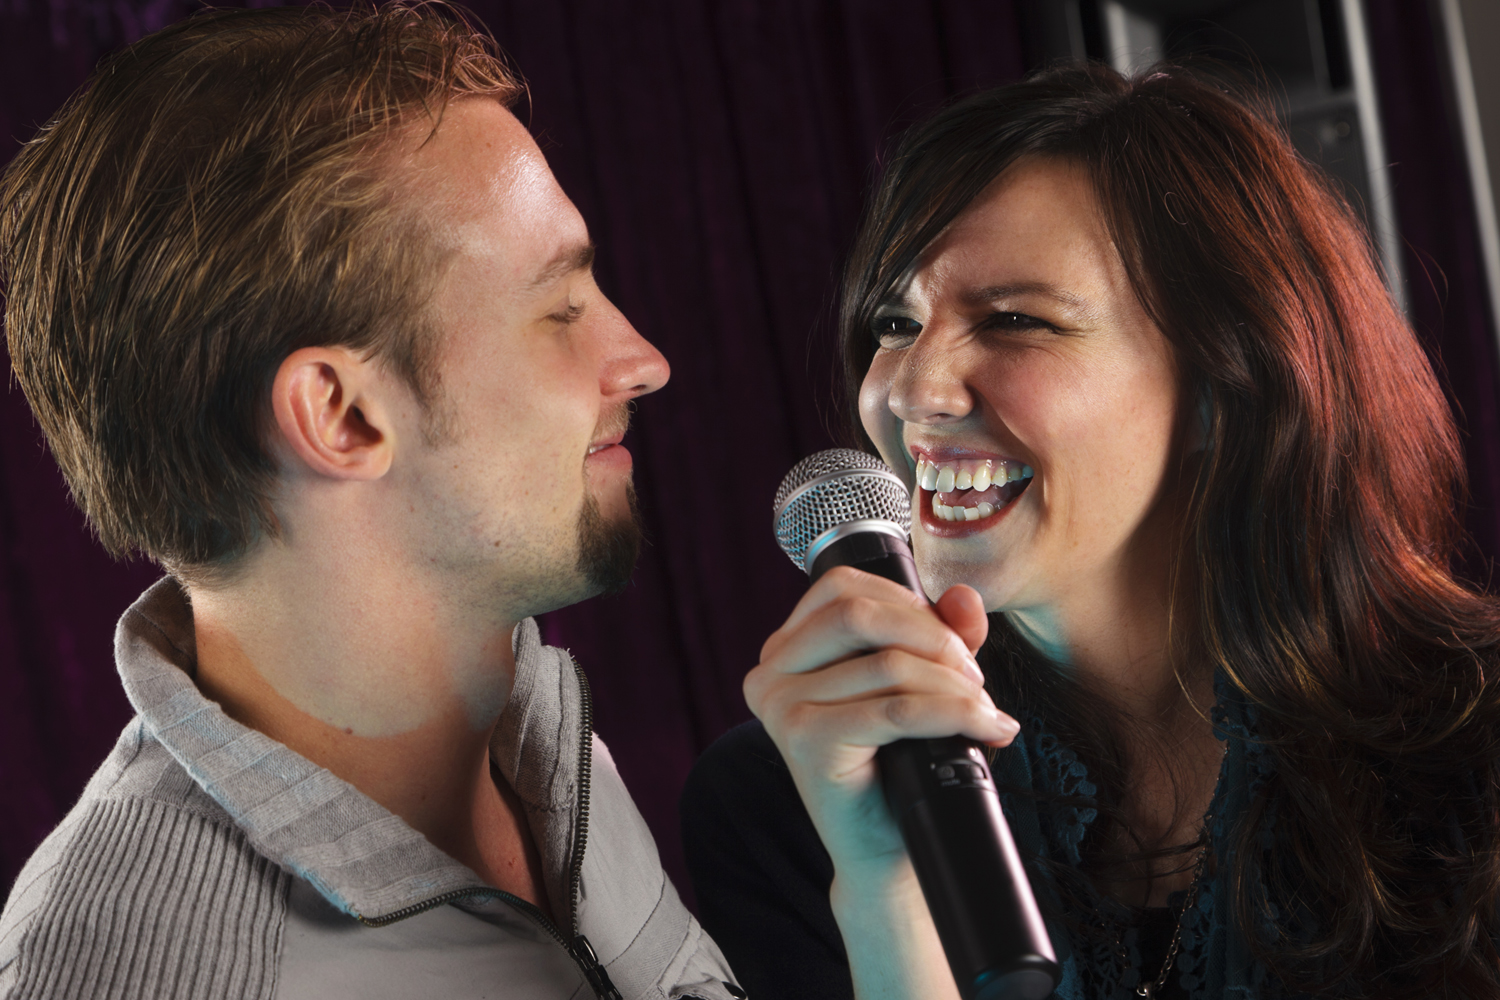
(360, 856)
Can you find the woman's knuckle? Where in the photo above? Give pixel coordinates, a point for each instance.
(793, 714)
(899, 710)
(858, 613)
(841, 575)
(881, 668)
(802, 742)
(772, 646)
(756, 681)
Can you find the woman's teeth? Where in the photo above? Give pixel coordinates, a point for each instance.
(977, 476)
(945, 477)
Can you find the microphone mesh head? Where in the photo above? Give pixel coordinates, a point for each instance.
(835, 487)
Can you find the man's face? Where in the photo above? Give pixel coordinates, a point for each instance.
(524, 496)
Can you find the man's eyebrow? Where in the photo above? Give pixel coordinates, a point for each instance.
(574, 257)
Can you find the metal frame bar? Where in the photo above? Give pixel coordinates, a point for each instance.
(1382, 206)
(1471, 126)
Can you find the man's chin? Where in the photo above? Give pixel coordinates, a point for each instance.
(608, 547)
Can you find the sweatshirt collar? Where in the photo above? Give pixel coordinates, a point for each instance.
(363, 858)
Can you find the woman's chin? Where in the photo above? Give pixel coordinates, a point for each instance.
(939, 575)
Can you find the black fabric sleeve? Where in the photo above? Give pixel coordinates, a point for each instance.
(761, 873)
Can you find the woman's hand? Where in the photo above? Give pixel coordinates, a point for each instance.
(860, 663)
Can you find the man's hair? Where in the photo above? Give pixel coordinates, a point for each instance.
(216, 197)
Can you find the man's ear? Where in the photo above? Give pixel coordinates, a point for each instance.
(327, 406)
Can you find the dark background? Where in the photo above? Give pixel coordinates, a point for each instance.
(719, 151)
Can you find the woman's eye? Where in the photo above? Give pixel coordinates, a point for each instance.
(1015, 321)
(891, 331)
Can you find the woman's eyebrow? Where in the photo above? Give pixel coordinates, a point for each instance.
(988, 294)
(976, 297)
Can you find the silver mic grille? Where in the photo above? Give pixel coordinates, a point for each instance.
(835, 487)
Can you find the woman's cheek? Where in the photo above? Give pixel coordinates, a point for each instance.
(875, 410)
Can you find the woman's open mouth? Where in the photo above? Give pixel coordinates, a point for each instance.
(969, 489)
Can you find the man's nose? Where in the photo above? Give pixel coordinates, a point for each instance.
(632, 365)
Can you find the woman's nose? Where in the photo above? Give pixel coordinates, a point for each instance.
(929, 386)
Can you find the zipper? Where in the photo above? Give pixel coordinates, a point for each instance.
(579, 948)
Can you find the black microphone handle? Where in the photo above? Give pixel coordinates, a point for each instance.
(943, 796)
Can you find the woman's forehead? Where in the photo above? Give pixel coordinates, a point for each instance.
(1036, 228)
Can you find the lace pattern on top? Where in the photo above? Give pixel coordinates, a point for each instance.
(1213, 962)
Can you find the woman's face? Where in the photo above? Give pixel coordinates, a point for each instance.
(1022, 389)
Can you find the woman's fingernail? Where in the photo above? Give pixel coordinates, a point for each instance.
(973, 669)
(1007, 726)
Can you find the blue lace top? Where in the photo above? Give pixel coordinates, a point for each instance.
(1215, 960)
(762, 874)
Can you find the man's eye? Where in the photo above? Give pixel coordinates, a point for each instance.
(571, 314)
(890, 331)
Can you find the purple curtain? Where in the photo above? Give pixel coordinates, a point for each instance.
(1447, 299)
(719, 152)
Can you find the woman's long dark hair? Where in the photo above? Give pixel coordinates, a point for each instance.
(1322, 521)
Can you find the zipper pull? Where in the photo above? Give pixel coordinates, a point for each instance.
(593, 970)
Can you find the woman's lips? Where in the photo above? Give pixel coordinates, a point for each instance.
(956, 512)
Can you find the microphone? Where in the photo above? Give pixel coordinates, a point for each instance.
(845, 508)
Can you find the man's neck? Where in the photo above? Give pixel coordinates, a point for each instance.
(378, 679)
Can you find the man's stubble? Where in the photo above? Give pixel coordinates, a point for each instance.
(607, 550)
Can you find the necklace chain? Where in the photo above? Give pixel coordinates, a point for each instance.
(1150, 989)
(1189, 899)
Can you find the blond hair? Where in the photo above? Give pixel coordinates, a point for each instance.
(212, 200)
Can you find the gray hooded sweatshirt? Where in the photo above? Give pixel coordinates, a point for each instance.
(206, 860)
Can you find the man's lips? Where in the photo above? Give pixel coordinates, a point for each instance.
(599, 446)
(610, 431)
(609, 453)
